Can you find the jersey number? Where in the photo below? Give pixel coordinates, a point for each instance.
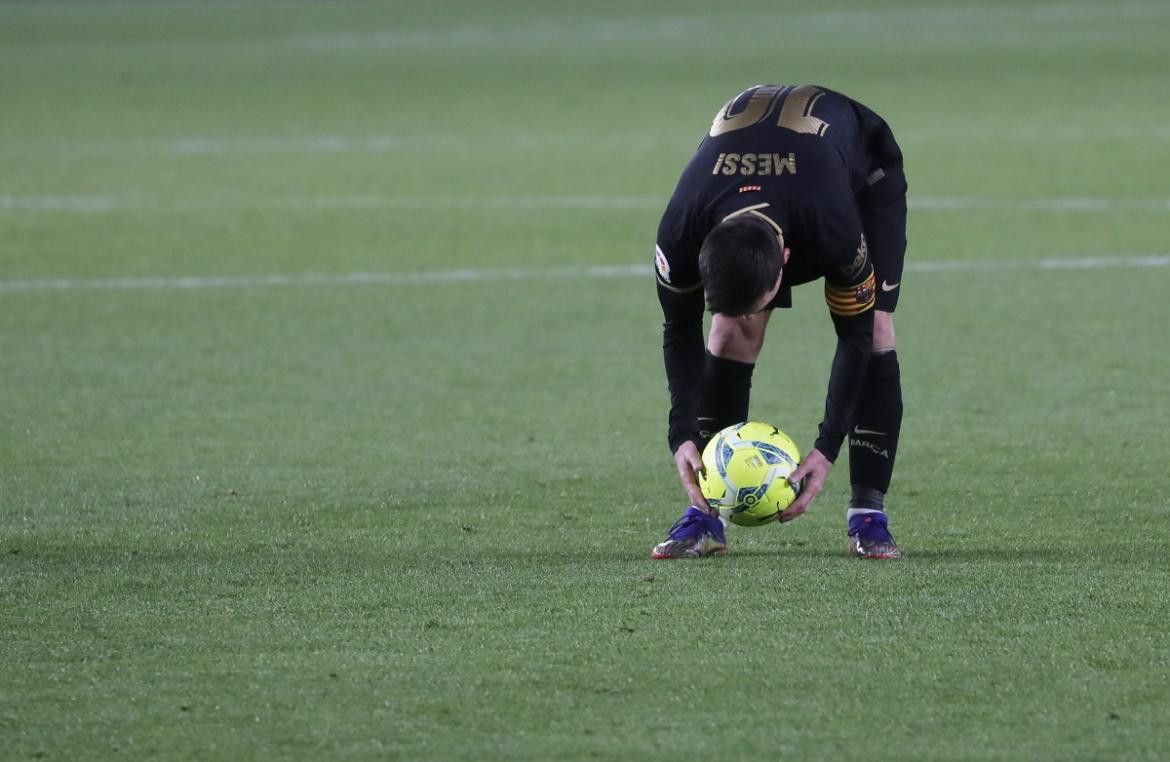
(795, 114)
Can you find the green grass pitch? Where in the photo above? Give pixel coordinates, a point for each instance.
(332, 419)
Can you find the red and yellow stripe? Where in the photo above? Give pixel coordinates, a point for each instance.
(851, 300)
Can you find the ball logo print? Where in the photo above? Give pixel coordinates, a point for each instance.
(746, 470)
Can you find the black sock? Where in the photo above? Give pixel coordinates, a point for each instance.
(727, 387)
(877, 420)
(868, 499)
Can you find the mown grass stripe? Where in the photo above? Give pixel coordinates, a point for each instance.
(494, 274)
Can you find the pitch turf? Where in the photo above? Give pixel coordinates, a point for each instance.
(409, 516)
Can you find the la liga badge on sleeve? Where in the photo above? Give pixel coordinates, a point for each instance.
(661, 264)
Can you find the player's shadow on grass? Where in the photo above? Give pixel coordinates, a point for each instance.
(1009, 554)
(990, 554)
(813, 552)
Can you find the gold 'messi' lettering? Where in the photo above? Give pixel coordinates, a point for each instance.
(758, 164)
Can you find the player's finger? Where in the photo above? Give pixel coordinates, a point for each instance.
(696, 463)
(790, 513)
(696, 495)
(691, 485)
(799, 506)
(701, 503)
(803, 500)
(698, 500)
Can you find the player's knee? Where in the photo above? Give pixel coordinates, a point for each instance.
(738, 338)
(883, 331)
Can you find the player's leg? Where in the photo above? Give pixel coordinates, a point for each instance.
(877, 419)
(732, 348)
(873, 445)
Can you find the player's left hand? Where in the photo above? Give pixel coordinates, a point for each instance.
(810, 474)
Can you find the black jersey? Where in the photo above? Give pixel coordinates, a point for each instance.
(796, 157)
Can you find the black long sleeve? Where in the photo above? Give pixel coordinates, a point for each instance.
(854, 347)
(682, 351)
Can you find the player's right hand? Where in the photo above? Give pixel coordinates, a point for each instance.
(810, 475)
(690, 465)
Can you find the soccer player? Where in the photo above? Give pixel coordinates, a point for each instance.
(791, 184)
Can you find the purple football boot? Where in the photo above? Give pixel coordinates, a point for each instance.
(870, 537)
(695, 534)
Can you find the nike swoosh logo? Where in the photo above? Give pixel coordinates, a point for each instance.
(890, 286)
(868, 431)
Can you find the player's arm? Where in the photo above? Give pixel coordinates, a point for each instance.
(682, 353)
(851, 307)
(680, 293)
(853, 322)
(681, 296)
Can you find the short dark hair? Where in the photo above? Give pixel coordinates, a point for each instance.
(738, 263)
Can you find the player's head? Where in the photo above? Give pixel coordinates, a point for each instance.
(740, 264)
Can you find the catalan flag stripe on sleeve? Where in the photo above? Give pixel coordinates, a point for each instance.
(851, 300)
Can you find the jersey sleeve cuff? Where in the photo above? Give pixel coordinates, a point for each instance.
(827, 447)
(674, 288)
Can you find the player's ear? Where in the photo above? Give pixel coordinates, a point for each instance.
(787, 254)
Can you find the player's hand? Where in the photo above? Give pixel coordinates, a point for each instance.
(810, 474)
(690, 465)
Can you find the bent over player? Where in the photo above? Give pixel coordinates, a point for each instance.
(791, 184)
